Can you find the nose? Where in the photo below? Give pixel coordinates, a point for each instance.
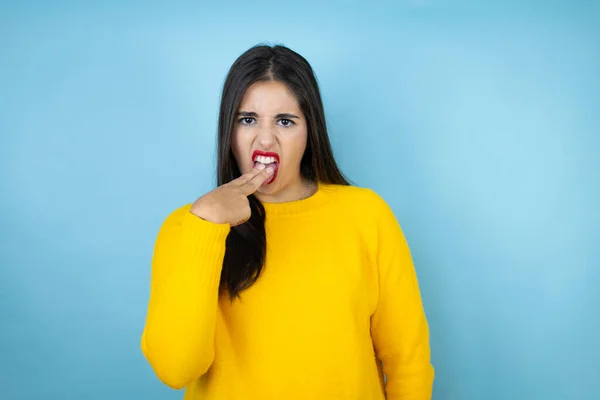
(266, 138)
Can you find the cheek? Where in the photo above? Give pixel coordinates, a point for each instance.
(238, 147)
(296, 148)
(301, 144)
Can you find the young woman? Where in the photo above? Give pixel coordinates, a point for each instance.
(284, 282)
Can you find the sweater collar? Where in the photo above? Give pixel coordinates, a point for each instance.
(318, 199)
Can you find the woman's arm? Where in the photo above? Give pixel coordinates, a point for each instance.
(398, 326)
(179, 335)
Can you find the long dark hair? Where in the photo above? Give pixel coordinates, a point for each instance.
(246, 244)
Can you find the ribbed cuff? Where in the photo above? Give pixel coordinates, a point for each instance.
(202, 250)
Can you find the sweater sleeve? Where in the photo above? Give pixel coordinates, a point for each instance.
(398, 326)
(178, 337)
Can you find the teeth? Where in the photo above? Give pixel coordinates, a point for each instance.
(265, 160)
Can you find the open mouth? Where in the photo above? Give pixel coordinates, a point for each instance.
(268, 159)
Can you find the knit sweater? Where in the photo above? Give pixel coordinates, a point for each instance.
(336, 307)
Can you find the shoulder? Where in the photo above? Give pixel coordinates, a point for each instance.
(365, 211)
(362, 201)
(357, 195)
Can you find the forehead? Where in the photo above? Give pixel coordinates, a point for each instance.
(270, 97)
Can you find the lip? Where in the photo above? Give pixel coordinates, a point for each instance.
(257, 153)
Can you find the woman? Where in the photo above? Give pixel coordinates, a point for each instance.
(284, 282)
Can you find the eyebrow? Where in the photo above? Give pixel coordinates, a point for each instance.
(278, 116)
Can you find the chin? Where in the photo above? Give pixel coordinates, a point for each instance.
(271, 188)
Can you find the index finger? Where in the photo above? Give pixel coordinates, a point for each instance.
(245, 178)
(256, 182)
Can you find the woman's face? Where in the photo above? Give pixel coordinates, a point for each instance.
(271, 129)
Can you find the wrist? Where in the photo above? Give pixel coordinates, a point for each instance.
(203, 212)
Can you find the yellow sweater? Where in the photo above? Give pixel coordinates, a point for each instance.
(336, 307)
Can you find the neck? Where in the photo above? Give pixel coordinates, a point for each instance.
(291, 192)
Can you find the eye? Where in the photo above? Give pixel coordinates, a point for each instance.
(286, 122)
(246, 120)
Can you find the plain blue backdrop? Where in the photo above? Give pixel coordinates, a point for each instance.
(478, 122)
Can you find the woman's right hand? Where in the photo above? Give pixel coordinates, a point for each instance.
(229, 202)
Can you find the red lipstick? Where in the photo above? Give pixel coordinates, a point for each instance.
(257, 153)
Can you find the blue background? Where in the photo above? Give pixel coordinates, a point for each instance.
(477, 121)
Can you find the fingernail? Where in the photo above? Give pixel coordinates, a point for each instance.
(260, 166)
(269, 170)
